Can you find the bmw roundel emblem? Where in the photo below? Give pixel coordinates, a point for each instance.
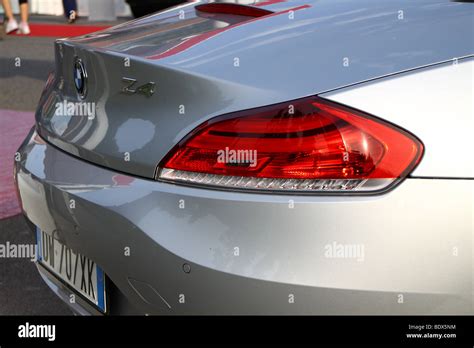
(80, 78)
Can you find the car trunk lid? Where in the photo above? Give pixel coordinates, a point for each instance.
(205, 64)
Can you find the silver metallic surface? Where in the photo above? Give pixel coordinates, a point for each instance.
(325, 45)
(408, 238)
(436, 104)
(249, 253)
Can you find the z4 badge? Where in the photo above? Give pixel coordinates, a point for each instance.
(148, 89)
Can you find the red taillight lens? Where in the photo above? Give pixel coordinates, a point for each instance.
(307, 145)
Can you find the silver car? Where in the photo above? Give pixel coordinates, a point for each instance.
(273, 157)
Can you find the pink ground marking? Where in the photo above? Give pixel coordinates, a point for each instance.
(14, 126)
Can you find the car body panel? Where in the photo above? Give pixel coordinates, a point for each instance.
(436, 104)
(326, 45)
(174, 249)
(416, 240)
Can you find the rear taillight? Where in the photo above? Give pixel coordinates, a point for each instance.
(307, 145)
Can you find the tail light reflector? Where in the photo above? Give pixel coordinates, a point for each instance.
(311, 145)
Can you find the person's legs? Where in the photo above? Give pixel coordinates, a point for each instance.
(12, 25)
(24, 27)
(70, 10)
(24, 10)
(7, 8)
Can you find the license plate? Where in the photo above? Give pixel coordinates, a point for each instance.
(77, 271)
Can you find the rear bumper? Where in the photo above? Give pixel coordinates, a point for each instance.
(178, 250)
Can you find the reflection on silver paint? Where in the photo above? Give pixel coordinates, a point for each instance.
(126, 137)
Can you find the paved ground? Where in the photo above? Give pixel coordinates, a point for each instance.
(14, 126)
(22, 290)
(24, 66)
(21, 85)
